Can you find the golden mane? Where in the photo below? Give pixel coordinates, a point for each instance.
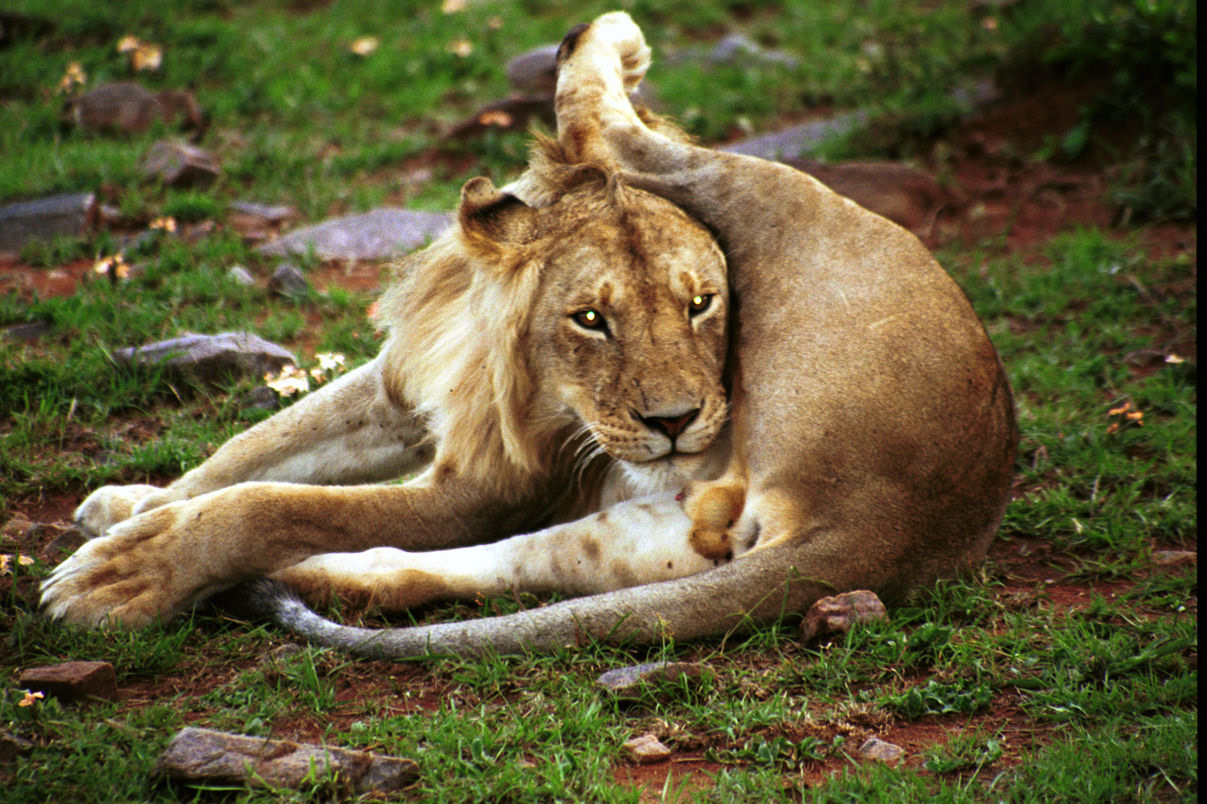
(458, 318)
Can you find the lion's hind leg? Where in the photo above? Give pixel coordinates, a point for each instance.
(629, 544)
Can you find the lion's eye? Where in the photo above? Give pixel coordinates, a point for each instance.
(699, 303)
(590, 319)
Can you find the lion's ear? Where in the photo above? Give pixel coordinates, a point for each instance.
(492, 221)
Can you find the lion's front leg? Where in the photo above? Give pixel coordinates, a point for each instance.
(158, 563)
(630, 544)
(350, 431)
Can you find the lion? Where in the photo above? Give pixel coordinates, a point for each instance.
(704, 390)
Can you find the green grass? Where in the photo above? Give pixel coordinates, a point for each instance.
(1040, 698)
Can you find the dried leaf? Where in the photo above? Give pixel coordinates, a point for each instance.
(461, 47)
(452, 6)
(73, 79)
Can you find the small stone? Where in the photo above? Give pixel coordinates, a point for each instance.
(44, 219)
(179, 164)
(534, 72)
(289, 281)
(241, 275)
(837, 614)
(29, 331)
(13, 746)
(626, 681)
(881, 751)
(125, 107)
(72, 680)
(380, 234)
(213, 757)
(646, 749)
(210, 357)
(16, 527)
(738, 49)
(260, 398)
(797, 140)
(269, 213)
(1171, 558)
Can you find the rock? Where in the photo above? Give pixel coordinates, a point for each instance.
(241, 275)
(209, 357)
(836, 614)
(900, 193)
(881, 751)
(742, 50)
(1170, 558)
(289, 282)
(213, 757)
(29, 331)
(72, 680)
(380, 234)
(512, 114)
(178, 164)
(535, 71)
(260, 398)
(797, 140)
(626, 681)
(44, 219)
(127, 108)
(257, 221)
(13, 746)
(646, 749)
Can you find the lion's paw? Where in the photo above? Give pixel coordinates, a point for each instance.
(109, 505)
(118, 578)
(618, 30)
(714, 508)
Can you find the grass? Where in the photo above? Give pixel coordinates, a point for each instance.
(1064, 670)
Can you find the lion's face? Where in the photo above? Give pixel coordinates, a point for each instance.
(629, 330)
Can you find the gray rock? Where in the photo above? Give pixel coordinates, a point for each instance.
(837, 614)
(241, 275)
(210, 357)
(178, 164)
(626, 681)
(127, 108)
(742, 50)
(289, 282)
(1171, 558)
(646, 749)
(13, 746)
(535, 71)
(260, 398)
(45, 219)
(881, 751)
(72, 680)
(268, 213)
(29, 331)
(380, 234)
(213, 757)
(798, 140)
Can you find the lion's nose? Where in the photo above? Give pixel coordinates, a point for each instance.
(670, 426)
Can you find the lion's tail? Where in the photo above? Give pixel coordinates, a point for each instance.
(758, 587)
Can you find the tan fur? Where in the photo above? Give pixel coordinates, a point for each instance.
(869, 442)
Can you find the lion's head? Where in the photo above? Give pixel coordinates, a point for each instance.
(604, 312)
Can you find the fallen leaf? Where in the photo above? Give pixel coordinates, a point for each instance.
(461, 47)
(74, 78)
(452, 6)
(128, 43)
(1173, 358)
